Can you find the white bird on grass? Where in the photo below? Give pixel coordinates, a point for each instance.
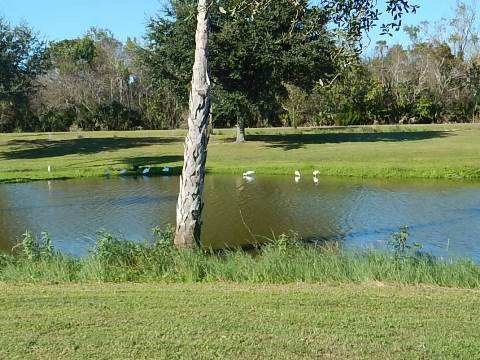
(49, 168)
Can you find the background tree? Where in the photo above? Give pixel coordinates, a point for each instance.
(21, 61)
(251, 61)
(90, 84)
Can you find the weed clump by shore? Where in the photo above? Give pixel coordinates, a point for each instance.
(285, 259)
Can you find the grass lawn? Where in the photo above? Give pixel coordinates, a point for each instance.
(436, 151)
(231, 321)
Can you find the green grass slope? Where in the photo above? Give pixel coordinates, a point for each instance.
(227, 321)
(435, 151)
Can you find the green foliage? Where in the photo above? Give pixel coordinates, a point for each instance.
(402, 249)
(21, 61)
(69, 54)
(109, 116)
(55, 120)
(34, 249)
(425, 108)
(251, 59)
(283, 260)
(272, 63)
(163, 237)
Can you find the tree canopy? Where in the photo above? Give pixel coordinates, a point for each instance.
(21, 61)
(250, 60)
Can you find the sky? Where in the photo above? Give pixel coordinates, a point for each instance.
(60, 19)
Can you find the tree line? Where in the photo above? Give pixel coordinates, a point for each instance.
(266, 70)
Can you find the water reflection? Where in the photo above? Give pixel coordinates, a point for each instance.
(444, 216)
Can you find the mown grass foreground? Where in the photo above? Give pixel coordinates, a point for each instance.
(287, 300)
(435, 151)
(233, 321)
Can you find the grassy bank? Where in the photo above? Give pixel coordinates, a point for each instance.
(231, 321)
(437, 151)
(284, 260)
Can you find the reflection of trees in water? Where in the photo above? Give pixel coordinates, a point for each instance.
(271, 206)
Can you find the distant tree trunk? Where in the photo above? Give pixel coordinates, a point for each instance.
(294, 120)
(190, 203)
(240, 131)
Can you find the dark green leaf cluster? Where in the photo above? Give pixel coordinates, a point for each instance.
(251, 56)
(22, 59)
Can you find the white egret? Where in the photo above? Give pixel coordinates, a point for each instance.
(123, 172)
(49, 168)
(248, 173)
(316, 173)
(297, 173)
(146, 171)
(166, 169)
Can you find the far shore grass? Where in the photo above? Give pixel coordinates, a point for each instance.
(421, 151)
(237, 321)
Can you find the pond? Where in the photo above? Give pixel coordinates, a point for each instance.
(444, 216)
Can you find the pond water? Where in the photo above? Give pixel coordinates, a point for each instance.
(444, 216)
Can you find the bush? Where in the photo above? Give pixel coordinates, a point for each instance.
(284, 259)
(34, 249)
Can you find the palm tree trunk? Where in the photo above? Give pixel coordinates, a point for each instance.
(190, 203)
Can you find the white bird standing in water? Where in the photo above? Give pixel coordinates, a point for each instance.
(146, 171)
(315, 177)
(297, 176)
(297, 173)
(248, 173)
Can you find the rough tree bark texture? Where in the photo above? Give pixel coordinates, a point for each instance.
(190, 204)
(240, 131)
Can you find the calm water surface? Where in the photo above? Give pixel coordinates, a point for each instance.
(444, 216)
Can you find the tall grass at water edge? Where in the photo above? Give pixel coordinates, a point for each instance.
(285, 259)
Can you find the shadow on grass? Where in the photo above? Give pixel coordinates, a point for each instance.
(297, 141)
(44, 148)
(156, 163)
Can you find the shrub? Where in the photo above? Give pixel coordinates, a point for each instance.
(34, 249)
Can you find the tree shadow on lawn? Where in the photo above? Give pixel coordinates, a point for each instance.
(297, 141)
(156, 163)
(44, 148)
